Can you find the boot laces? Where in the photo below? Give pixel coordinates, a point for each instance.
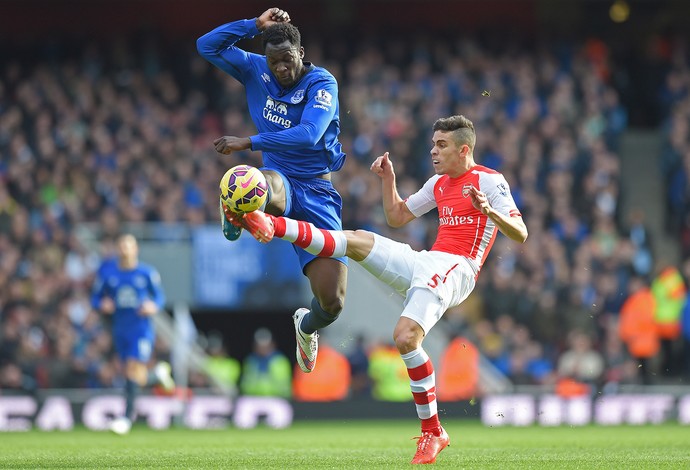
(423, 441)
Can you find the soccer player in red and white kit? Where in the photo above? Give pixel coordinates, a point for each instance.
(474, 203)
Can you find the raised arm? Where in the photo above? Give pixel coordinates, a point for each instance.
(397, 213)
(218, 45)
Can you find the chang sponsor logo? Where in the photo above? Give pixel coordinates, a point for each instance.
(274, 111)
(276, 106)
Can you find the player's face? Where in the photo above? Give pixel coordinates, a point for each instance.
(447, 157)
(127, 249)
(285, 62)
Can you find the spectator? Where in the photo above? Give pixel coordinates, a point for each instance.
(221, 368)
(388, 374)
(458, 375)
(330, 382)
(669, 291)
(266, 371)
(637, 326)
(638, 234)
(539, 367)
(12, 378)
(621, 368)
(518, 371)
(358, 359)
(580, 361)
(685, 323)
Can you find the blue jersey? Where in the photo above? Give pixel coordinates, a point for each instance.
(298, 127)
(129, 289)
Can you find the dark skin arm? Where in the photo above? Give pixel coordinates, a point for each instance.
(271, 17)
(230, 143)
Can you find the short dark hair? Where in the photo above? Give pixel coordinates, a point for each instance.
(279, 33)
(461, 127)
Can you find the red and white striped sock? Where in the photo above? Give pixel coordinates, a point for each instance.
(317, 241)
(423, 385)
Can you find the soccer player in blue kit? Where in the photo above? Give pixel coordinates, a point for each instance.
(294, 106)
(131, 292)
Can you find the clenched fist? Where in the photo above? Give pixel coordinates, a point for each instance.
(271, 17)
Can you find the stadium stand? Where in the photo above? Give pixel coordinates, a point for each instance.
(119, 132)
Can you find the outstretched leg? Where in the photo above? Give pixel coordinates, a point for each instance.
(355, 244)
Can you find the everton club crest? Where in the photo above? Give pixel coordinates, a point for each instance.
(297, 97)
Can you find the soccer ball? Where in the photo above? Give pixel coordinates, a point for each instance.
(243, 189)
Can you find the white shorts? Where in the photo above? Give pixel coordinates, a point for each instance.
(450, 277)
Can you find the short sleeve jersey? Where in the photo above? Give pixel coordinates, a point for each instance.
(463, 230)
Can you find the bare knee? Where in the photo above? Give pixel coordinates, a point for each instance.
(328, 280)
(332, 303)
(136, 372)
(407, 338)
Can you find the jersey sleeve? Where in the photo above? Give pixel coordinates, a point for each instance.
(218, 47)
(322, 101)
(156, 288)
(423, 200)
(498, 194)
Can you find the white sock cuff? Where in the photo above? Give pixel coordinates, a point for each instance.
(340, 244)
(291, 230)
(415, 358)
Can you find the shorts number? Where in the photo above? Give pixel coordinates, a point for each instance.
(435, 280)
(438, 278)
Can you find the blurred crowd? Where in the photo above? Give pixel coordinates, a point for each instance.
(108, 133)
(675, 157)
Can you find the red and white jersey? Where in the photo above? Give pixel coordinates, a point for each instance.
(464, 230)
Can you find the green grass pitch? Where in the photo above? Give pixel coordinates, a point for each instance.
(355, 445)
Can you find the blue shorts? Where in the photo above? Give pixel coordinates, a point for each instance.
(313, 200)
(138, 348)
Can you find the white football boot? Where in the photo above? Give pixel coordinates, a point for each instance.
(307, 345)
(121, 425)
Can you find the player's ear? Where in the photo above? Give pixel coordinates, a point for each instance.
(301, 52)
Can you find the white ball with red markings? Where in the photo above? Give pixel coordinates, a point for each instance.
(243, 189)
